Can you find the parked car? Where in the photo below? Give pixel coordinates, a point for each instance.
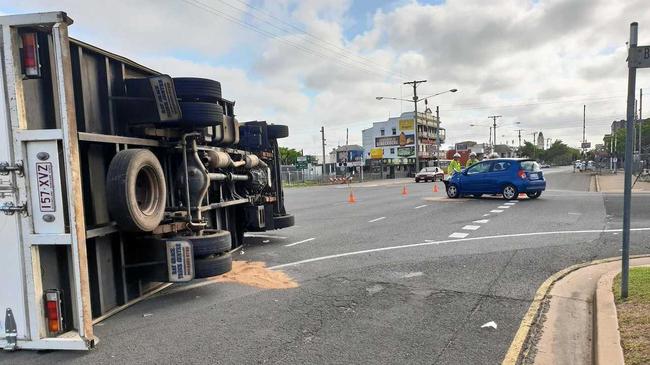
(505, 176)
(430, 174)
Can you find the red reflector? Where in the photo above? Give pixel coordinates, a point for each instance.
(522, 174)
(30, 54)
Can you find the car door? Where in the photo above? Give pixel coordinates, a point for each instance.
(473, 179)
(497, 176)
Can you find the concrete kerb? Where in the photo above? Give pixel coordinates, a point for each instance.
(607, 340)
(517, 350)
(597, 183)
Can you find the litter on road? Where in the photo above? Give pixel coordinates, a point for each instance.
(491, 324)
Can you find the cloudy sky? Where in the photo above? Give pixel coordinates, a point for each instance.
(309, 63)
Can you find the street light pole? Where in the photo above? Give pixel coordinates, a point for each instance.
(438, 135)
(494, 125)
(415, 120)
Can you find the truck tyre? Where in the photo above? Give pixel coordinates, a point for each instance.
(199, 114)
(212, 266)
(211, 241)
(283, 221)
(136, 193)
(197, 89)
(277, 131)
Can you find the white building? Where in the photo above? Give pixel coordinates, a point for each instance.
(392, 142)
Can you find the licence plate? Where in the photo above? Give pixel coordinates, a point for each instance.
(533, 176)
(45, 187)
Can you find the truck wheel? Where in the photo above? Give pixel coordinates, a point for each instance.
(197, 89)
(136, 193)
(198, 114)
(209, 242)
(283, 221)
(212, 266)
(277, 131)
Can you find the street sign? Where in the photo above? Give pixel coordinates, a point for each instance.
(639, 57)
(586, 144)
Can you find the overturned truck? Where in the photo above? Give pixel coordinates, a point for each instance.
(115, 180)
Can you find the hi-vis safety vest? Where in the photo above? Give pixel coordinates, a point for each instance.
(454, 166)
(471, 162)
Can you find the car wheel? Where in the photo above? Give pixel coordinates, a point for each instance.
(534, 194)
(452, 191)
(212, 266)
(417, 181)
(509, 192)
(277, 131)
(197, 89)
(136, 193)
(209, 242)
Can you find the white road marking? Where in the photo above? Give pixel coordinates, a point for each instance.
(486, 214)
(504, 206)
(430, 243)
(482, 221)
(496, 211)
(421, 206)
(458, 235)
(265, 236)
(572, 213)
(376, 219)
(513, 201)
(508, 203)
(412, 274)
(471, 228)
(299, 242)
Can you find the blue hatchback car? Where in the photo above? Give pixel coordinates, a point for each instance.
(505, 176)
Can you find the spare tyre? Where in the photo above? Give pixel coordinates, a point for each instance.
(136, 193)
(199, 114)
(212, 266)
(277, 131)
(209, 242)
(197, 89)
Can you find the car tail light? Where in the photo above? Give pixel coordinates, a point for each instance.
(522, 174)
(53, 311)
(31, 65)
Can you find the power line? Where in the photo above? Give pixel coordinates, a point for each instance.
(366, 60)
(479, 107)
(314, 52)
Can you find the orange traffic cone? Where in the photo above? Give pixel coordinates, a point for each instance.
(351, 198)
(404, 191)
(435, 187)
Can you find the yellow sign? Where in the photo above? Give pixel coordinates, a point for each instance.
(406, 125)
(376, 153)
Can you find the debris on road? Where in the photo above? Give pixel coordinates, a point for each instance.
(492, 324)
(147, 315)
(256, 274)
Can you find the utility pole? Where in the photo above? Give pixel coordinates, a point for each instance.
(491, 137)
(519, 135)
(346, 136)
(437, 134)
(415, 119)
(494, 126)
(640, 124)
(322, 133)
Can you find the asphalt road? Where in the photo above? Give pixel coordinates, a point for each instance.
(381, 281)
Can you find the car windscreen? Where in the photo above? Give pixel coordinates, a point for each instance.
(530, 166)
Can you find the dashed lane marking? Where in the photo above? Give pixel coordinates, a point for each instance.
(421, 206)
(486, 214)
(435, 243)
(471, 227)
(376, 219)
(265, 236)
(513, 201)
(482, 221)
(299, 242)
(509, 203)
(458, 235)
(496, 211)
(504, 206)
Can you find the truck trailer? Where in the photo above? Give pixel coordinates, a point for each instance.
(116, 181)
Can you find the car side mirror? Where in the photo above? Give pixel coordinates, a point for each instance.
(464, 172)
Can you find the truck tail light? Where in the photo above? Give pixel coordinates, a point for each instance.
(522, 174)
(31, 64)
(53, 311)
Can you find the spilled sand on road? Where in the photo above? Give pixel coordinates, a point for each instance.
(256, 274)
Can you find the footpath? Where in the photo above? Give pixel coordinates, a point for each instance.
(573, 319)
(613, 183)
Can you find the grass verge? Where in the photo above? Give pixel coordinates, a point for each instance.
(634, 316)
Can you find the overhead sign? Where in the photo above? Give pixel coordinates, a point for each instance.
(586, 144)
(376, 153)
(639, 57)
(406, 125)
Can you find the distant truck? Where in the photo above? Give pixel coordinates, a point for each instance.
(115, 180)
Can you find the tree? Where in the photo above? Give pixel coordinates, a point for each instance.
(530, 150)
(288, 156)
(557, 154)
